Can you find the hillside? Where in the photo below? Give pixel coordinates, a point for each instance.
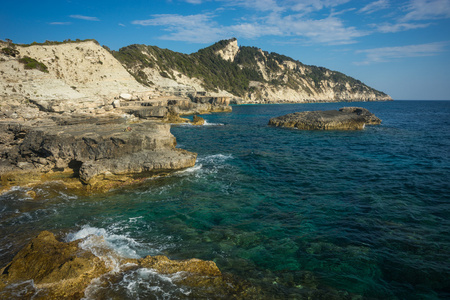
(243, 72)
(72, 71)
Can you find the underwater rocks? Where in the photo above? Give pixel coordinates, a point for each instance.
(347, 118)
(88, 149)
(57, 270)
(50, 269)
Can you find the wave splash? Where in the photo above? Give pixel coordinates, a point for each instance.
(125, 279)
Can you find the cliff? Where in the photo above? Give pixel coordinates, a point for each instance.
(248, 74)
(75, 71)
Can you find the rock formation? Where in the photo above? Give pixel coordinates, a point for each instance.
(198, 121)
(347, 118)
(101, 152)
(50, 269)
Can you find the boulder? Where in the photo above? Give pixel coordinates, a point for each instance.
(116, 103)
(125, 96)
(198, 120)
(347, 118)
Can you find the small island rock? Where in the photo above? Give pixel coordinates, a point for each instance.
(347, 118)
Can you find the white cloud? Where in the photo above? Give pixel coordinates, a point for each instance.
(173, 21)
(427, 10)
(308, 6)
(260, 5)
(121, 24)
(330, 30)
(60, 23)
(202, 28)
(392, 28)
(194, 1)
(84, 18)
(387, 54)
(375, 6)
(193, 28)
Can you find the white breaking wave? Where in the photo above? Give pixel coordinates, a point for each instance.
(215, 158)
(147, 281)
(135, 282)
(212, 124)
(190, 170)
(99, 241)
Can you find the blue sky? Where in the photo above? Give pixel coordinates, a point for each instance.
(400, 47)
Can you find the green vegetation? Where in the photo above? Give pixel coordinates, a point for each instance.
(31, 63)
(234, 77)
(10, 51)
(51, 43)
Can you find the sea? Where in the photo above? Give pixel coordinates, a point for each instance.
(332, 214)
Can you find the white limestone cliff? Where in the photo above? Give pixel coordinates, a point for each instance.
(230, 51)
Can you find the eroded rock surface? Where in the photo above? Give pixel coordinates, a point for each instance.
(88, 148)
(369, 118)
(347, 118)
(50, 269)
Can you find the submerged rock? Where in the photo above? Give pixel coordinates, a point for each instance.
(57, 269)
(347, 118)
(49, 269)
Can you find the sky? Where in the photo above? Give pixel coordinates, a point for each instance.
(400, 47)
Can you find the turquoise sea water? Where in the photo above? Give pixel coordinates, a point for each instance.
(336, 212)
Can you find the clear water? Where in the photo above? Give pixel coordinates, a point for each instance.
(339, 213)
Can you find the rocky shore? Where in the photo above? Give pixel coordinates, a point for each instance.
(346, 118)
(97, 152)
(51, 269)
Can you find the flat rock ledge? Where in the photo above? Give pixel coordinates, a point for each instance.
(346, 118)
(95, 154)
(51, 269)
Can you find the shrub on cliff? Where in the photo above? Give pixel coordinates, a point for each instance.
(31, 63)
(9, 51)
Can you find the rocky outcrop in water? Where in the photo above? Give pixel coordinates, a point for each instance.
(100, 152)
(50, 269)
(347, 118)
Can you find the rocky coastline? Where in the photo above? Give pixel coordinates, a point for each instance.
(86, 121)
(94, 153)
